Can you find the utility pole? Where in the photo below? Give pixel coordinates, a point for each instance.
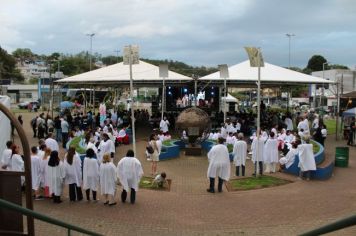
(117, 55)
(91, 48)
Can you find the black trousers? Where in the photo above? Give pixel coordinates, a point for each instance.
(34, 128)
(87, 193)
(75, 193)
(260, 165)
(238, 170)
(212, 184)
(132, 196)
(64, 139)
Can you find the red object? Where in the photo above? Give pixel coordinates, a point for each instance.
(124, 140)
(46, 192)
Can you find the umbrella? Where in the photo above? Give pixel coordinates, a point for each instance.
(66, 104)
(349, 113)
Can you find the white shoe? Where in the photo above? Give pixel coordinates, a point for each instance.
(149, 159)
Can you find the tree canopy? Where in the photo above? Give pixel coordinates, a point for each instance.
(8, 69)
(315, 63)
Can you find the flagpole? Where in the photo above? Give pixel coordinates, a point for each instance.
(258, 110)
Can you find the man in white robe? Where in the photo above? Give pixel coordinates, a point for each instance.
(35, 172)
(270, 157)
(107, 146)
(288, 160)
(303, 125)
(257, 148)
(240, 153)
(52, 143)
(306, 159)
(219, 165)
(5, 162)
(129, 172)
(163, 125)
(289, 123)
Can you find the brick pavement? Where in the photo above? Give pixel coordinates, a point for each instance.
(189, 210)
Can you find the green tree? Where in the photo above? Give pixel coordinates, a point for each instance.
(315, 63)
(24, 54)
(109, 60)
(8, 69)
(337, 66)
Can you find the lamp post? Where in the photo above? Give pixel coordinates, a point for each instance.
(91, 47)
(289, 41)
(322, 88)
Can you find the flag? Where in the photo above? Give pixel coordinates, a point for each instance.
(131, 50)
(255, 57)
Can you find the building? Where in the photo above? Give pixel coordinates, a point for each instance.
(327, 94)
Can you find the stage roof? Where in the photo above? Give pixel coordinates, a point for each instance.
(243, 73)
(142, 73)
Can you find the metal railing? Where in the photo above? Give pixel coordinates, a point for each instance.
(39, 216)
(337, 225)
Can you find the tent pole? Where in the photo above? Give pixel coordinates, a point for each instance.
(337, 111)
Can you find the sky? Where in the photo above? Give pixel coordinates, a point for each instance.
(204, 32)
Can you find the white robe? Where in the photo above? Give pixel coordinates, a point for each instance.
(17, 164)
(129, 172)
(90, 174)
(306, 157)
(219, 162)
(52, 144)
(108, 178)
(106, 147)
(92, 146)
(6, 159)
(288, 160)
(163, 125)
(271, 151)
(240, 152)
(230, 139)
(35, 172)
(289, 123)
(74, 171)
(257, 156)
(55, 177)
(43, 172)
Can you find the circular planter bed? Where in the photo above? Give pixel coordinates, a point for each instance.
(249, 183)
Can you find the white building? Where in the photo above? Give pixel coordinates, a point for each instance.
(346, 78)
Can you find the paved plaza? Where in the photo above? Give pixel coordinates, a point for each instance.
(189, 210)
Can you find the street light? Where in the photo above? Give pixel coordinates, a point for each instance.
(289, 40)
(322, 89)
(91, 47)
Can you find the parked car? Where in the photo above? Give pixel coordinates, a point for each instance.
(24, 105)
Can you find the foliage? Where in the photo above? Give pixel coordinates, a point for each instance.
(316, 147)
(110, 60)
(75, 142)
(337, 66)
(75, 64)
(256, 183)
(24, 54)
(315, 63)
(8, 67)
(230, 147)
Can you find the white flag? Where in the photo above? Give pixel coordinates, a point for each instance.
(255, 57)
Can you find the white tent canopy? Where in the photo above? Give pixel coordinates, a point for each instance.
(119, 73)
(270, 74)
(229, 98)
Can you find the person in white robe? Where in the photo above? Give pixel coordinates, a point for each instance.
(288, 160)
(163, 125)
(107, 146)
(306, 159)
(90, 174)
(270, 156)
(43, 171)
(240, 154)
(257, 148)
(289, 123)
(91, 145)
(108, 179)
(35, 172)
(219, 165)
(289, 138)
(230, 139)
(229, 126)
(55, 174)
(303, 125)
(52, 143)
(17, 163)
(223, 131)
(5, 162)
(73, 177)
(129, 172)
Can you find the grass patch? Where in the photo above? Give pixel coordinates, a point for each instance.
(146, 182)
(250, 183)
(330, 126)
(168, 143)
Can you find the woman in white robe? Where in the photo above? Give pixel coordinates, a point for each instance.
(257, 148)
(17, 163)
(240, 153)
(306, 159)
(219, 165)
(43, 171)
(35, 171)
(55, 175)
(5, 162)
(108, 179)
(90, 174)
(288, 160)
(270, 157)
(129, 172)
(73, 179)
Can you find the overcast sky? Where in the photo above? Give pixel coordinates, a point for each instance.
(205, 32)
